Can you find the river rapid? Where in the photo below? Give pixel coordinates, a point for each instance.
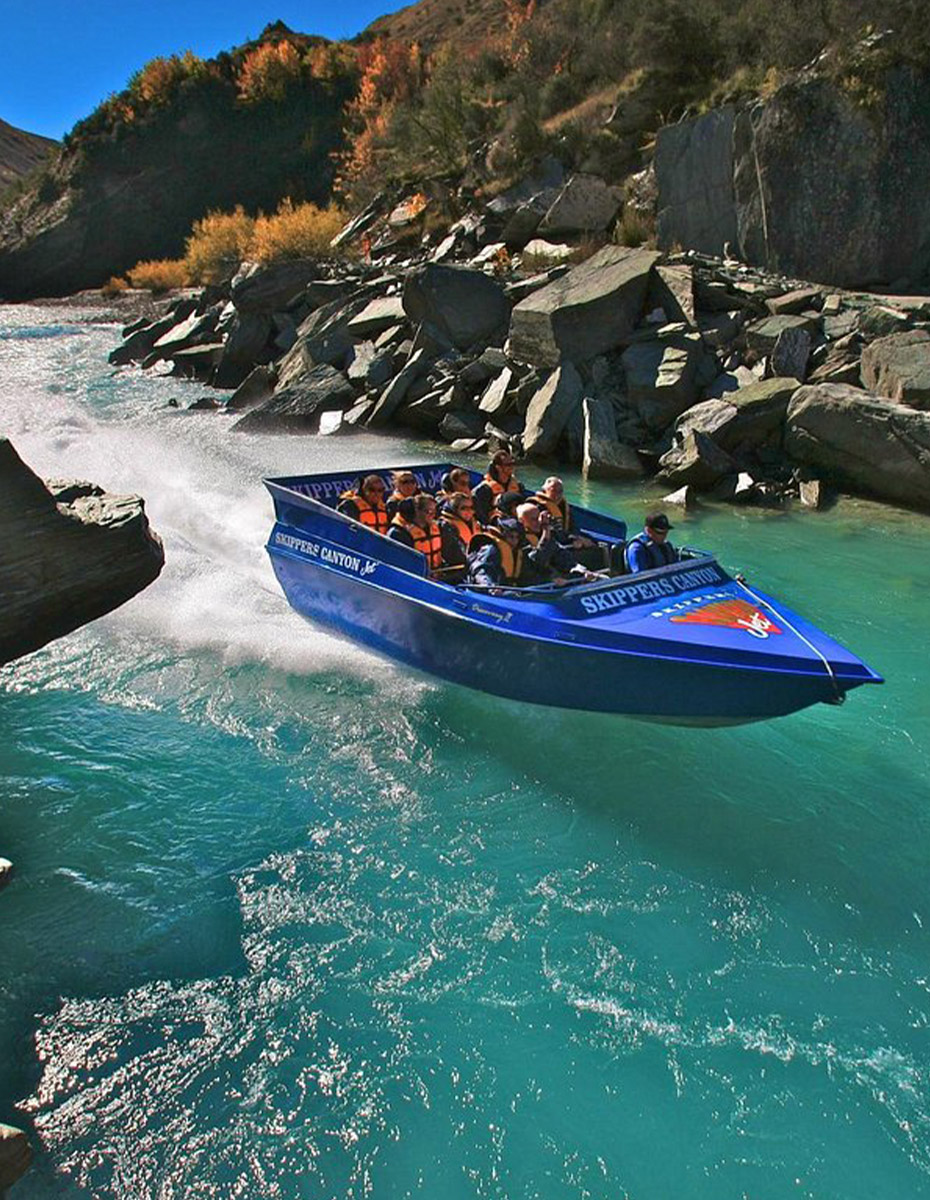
(289, 920)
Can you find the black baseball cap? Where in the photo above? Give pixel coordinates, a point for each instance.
(657, 521)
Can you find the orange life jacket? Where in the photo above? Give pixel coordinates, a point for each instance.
(466, 529)
(373, 515)
(559, 512)
(511, 556)
(497, 487)
(428, 541)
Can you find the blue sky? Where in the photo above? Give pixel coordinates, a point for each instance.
(60, 58)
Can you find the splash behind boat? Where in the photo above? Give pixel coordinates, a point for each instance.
(687, 643)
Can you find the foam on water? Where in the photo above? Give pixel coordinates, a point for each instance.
(293, 923)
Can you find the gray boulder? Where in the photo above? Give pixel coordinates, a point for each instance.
(586, 204)
(797, 301)
(140, 343)
(494, 402)
(255, 389)
(862, 443)
(698, 461)
(550, 410)
(395, 392)
(324, 337)
(745, 419)
(585, 312)
(467, 306)
(603, 456)
(376, 316)
(245, 346)
(790, 353)
(69, 552)
(15, 1155)
(298, 405)
(661, 377)
(898, 367)
(761, 336)
(270, 289)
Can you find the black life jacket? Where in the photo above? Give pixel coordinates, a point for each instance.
(661, 555)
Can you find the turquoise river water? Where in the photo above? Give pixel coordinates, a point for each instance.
(291, 921)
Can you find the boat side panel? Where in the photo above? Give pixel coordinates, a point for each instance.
(522, 668)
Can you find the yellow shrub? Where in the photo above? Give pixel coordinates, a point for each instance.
(114, 285)
(295, 231)
(158, 80)
(159, 276)
(217, 245)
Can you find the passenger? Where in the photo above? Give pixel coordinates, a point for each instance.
(405, 485)
(651, 548)
(414, 525)
(458, 526)
(455, 482)
(545, 559)
(366, 504)
(495, 558)
(505, 507)
(499, 478)
(588, 552)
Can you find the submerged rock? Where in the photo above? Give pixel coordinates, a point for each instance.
(68, 554)
(15, 1156)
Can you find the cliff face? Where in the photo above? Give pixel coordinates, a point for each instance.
(20, 153)
(124, 191)
(69, 552)
(815, 181)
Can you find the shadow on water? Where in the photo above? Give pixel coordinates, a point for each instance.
(808, 801)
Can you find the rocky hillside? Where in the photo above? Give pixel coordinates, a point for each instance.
(434, 23)
(21, 153)
(185, 137)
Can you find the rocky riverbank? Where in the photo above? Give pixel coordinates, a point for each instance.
(69, 552)
(711, 375)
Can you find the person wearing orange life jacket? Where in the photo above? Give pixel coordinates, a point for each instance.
(458, 527)
(366, 504)
(405, 486)
(414, 525)
(499, 478)
(495, 558)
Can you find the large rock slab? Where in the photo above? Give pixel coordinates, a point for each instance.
(299, 405)
(550, 411)
(585, 312)
(586, 204)
(898, 367)
(862, 443)
(821, 178)
(745, 419)
(762, 336)
(376, 316)
(273, 288)
(324, 337)
(698, 461)
(661, 377)
(694, 174)
(69, 552)
(15, 1155)
(396, 391)
(603, 456)
(467, 306)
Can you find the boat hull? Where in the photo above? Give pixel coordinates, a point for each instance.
(503, 662)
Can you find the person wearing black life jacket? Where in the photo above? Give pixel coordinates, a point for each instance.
(405, 485)
(495, 558)
(366, 504)
(457, 526)
(651, 548)
(499, 478)
(414, 525)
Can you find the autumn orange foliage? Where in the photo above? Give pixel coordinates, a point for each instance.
(268, 72)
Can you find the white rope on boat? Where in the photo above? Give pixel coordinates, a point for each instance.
(840, 694)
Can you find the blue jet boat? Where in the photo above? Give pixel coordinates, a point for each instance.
(684, 644)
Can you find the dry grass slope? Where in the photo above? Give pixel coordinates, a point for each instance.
(20, 153)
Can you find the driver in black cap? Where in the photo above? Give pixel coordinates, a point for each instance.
(651, 548)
